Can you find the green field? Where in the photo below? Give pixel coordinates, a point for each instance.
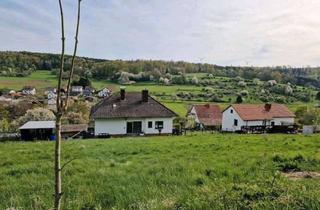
(44, 79)
(198, 171)
(165, 94)
(39, 79)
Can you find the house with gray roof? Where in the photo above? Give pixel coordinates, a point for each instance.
(132, 113)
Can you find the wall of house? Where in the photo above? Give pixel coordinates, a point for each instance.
(119, 126)
(228, 120)
(167, 125)
(110, 126)
(257, 123)
(283, 121)
(194, 113)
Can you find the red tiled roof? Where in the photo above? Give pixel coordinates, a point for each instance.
(209, 114)
(252, 112)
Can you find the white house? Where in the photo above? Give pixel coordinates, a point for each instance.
(51, 95)
(105, 92)
(131, 114)
(28, 90)
(76, 90)
(237, 116)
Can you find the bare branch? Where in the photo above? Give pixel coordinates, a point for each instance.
(64, 165)
(58, 104)
(73, 56)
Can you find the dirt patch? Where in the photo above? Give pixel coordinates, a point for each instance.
(301, 175)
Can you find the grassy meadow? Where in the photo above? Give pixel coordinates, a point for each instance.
(197, 171)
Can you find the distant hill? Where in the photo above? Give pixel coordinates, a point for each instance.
(21, 64)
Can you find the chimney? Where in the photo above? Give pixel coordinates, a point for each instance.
(145, 95)
(122, 93)
(267, 107)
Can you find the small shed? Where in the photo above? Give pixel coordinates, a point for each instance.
(44, 130)
(37, 130)
(73, 131)
(308, 129)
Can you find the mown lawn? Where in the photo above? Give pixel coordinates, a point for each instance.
(198, 171)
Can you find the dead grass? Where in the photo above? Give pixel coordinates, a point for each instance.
(301, 175)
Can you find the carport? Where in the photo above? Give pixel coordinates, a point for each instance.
(37, 130)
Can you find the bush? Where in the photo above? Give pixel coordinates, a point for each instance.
(272, 83)
(239, 99)
(242, 84)
(318, 96)
(4, 91)
(288, 90)
(37, 114)
(256, 81)
(244, 93)
(195, 80)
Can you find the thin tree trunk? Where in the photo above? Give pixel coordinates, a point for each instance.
(57, 154)
(62, 105)
(57, 165)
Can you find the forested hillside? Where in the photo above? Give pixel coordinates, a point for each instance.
(23, 63)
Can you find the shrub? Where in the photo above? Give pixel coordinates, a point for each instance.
(256, 81)
(195, 80)
(242, 83)
(239, 99)
(272, 82)
(288, 90)
(37, 114)
(318, 96)
(244, 93)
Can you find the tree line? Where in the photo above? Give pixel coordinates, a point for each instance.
(24, 63)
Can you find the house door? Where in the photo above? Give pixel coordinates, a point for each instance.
(134, 127)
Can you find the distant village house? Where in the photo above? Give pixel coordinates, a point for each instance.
(76, 90)
(51, 95)
(28, 90)
(105, 92)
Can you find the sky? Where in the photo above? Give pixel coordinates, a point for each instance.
(223, 32)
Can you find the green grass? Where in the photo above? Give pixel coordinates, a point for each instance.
(209, 171)
(180, 108)
(39, 79)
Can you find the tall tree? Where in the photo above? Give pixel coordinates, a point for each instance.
(62, 104)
